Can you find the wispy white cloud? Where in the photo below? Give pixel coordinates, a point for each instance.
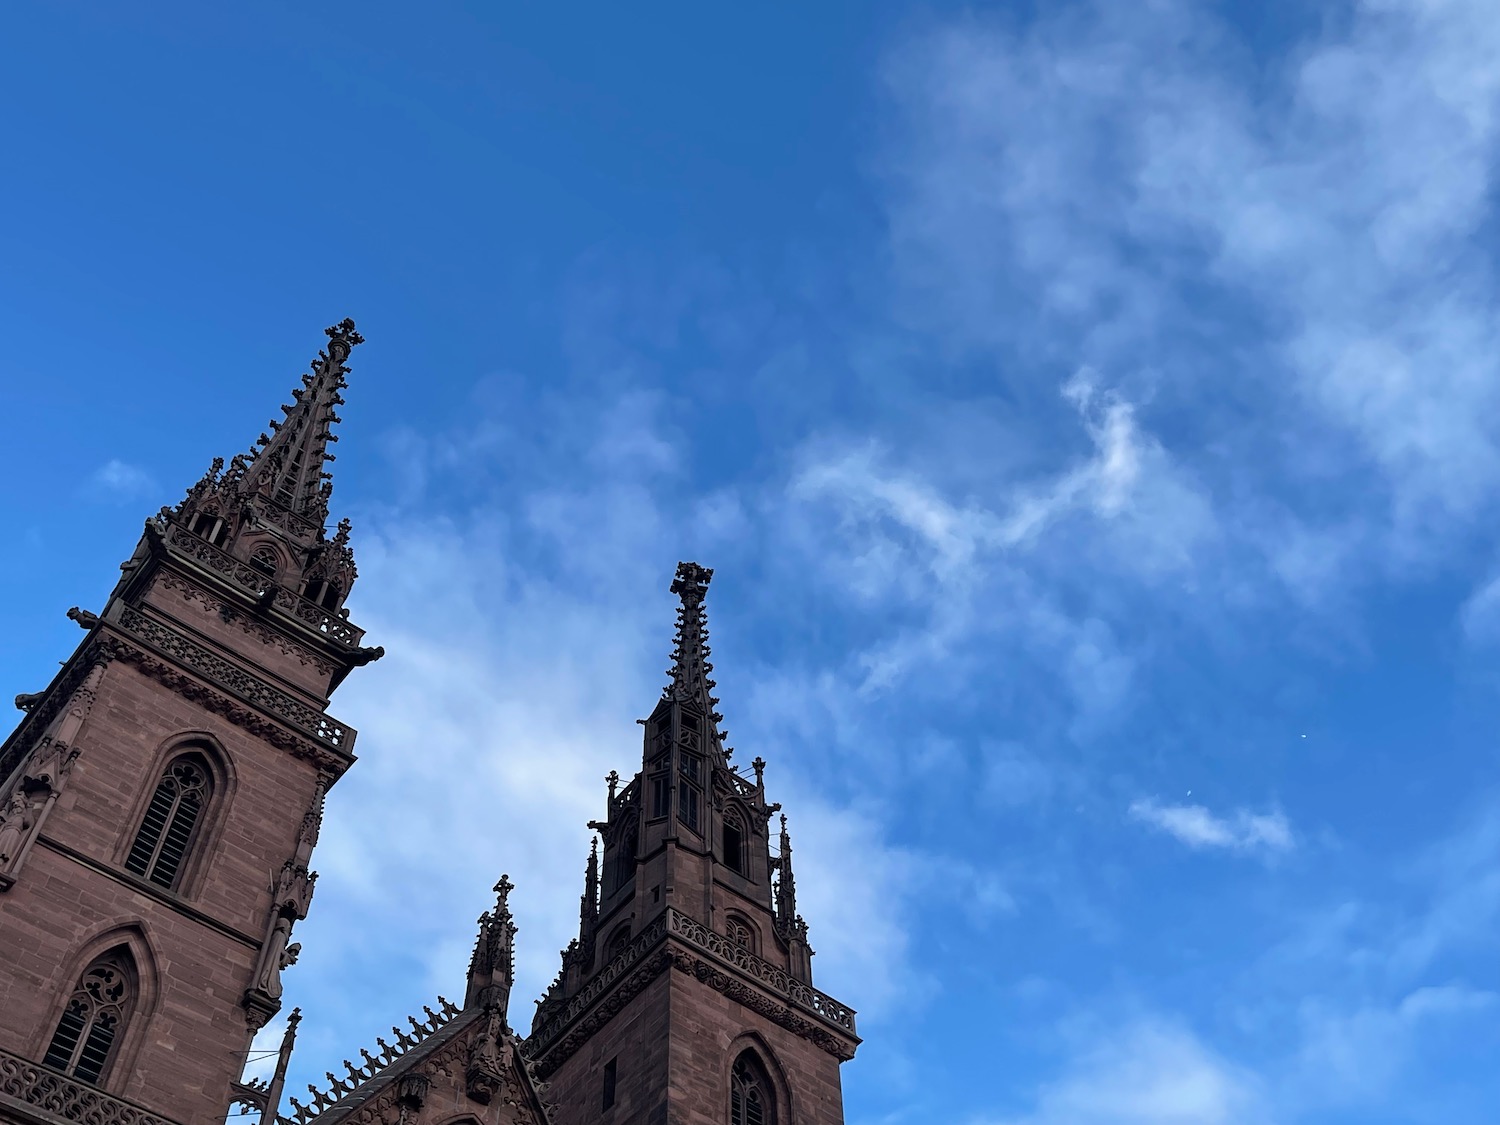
(121, 480)
(1197, 827)
(1300, 263)
(1149, 1072)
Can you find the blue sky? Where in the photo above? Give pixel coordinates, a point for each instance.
(1088, 409)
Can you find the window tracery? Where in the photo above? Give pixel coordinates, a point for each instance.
(740, 932)
(264, 560)
(83, 1044)
(171, 821)
(751, 1101)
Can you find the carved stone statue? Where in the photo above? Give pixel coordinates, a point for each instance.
(279, 953)
(15, 822)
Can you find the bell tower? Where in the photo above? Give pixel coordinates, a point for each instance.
(161, 797)
(687, 997)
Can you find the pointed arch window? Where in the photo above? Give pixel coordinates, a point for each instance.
(740, 932)
(618, 942)
(751, 1101)
(734, 842)
(264, 560)
(84, 1043)
(623, 867)
(171, 821)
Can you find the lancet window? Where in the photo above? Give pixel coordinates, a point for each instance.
(171, 822)
(751, 1101)
(689, 797)
(89, 1030)
(623, 867)
(734, 843)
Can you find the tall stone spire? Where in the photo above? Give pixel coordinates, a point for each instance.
(269, 507)
(288, 470)
(694, 900)
(691, 683)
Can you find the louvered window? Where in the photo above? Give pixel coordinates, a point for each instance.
(750, 1100)
(84, 1042)
(171, 822)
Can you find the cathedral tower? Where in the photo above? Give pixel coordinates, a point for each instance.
(161, 797)
(687, 998)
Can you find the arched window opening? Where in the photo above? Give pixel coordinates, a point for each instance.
(740, 933)
(325, 594)
(209, 525)
(734, 843)
(84, 1043)
(751, 1101)
(264, 560)
(171, 821)
(623, 868)
(618, 941)
(689, 805)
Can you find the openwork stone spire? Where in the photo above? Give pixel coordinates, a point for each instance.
(269, 508)
(288, 469)
(691, 683)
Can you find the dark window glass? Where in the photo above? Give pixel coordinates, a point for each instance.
(691, 766)
(734, 845)
(624, 864)
(688, 802)
(171, 821)
(609, 1083)
(661, 787)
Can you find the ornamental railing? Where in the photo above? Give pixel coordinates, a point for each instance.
(775, 979)
(613, 971)
(51, 1092)
(216, 669)
(331, 625)
(693, 933)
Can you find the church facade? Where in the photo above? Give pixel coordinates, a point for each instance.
(160, 803)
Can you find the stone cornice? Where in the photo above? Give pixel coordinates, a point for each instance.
(43, 1095)
(675, 941)
(328, 741)
(185, 546)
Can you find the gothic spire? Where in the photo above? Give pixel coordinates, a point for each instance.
(691, 683)
(588, 905)
(491, 968)
(288, 469)
(786, 885)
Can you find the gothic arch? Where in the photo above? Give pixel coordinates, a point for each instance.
(222, 782)
(736, 920)
(735, 809)
(268, 558)
(133, 941)
(752, 1046)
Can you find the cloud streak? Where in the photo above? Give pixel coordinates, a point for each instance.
(1197, 827)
